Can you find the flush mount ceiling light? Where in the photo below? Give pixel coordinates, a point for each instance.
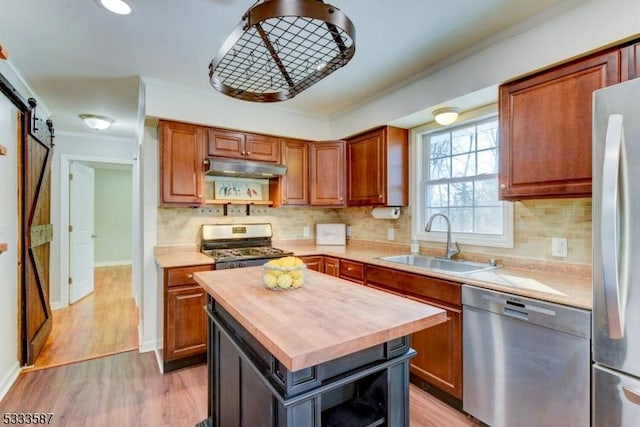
(446, 116)
(96, 122)
(119, 7)
(282, 47)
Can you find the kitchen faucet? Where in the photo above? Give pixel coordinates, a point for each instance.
(451, 251)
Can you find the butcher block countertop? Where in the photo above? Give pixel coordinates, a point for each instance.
(325, 319)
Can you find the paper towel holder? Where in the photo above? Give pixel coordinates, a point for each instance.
(386, 212)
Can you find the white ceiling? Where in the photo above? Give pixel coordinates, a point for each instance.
(79, 58)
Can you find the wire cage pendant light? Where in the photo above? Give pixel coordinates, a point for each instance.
(282, 47)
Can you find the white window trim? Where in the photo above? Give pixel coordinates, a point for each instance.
(419, 221)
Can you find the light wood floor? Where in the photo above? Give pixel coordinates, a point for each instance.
(127, 390)
(103, 323)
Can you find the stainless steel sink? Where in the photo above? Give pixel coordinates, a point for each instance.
(433, 263)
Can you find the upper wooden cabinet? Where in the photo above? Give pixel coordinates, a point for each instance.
(631, 57)
(240, 145)
(293, 188)
(181, 149)
(377, 168)
(326, 174)
(545, 128)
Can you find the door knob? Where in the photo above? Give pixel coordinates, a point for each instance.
(93, 236)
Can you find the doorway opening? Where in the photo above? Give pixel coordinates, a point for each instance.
(98, 314)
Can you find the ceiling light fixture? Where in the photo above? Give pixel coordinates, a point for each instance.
(282, 47)
(119, 7)
(446, 116)
(96, 122)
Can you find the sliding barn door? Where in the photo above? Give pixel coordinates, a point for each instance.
(37, 232)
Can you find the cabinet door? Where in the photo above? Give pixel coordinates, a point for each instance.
(295, 184)
(332, 266)
(366, 169)
(226, 143)
(545, 128)
(326, 174)
(314, 262)
(262, 148)
(631, 62)
(181, 163)
(185, 323)
(439, 358)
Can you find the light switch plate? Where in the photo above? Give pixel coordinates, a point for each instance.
(236, 210)
(258, 210)
(306, 231)
(391, 233)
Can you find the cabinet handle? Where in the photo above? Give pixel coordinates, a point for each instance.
(243, 152)
(380, 196)
(190, 276)
(199, 195)
(349, 268)
(248, 153)
(206, 162)
(503, 185)
(340, 199)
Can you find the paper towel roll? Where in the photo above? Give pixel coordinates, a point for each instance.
(386, 213)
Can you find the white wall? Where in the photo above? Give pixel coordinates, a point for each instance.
(72, 146)
(169, 101)
(112, 216)
(587, 27)
(9, 366)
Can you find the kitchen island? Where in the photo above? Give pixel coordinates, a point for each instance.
(329, 353)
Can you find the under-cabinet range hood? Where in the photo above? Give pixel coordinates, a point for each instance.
(244, 168)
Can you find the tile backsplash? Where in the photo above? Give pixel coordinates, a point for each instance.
(536, 221)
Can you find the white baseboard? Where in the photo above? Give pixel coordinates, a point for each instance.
(57, 305)
(112, 263)
(8, 380)
(158, 352)
(146, 346)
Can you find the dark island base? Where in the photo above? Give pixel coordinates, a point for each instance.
(249, 387)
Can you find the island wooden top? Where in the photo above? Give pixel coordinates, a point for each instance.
(325, 319)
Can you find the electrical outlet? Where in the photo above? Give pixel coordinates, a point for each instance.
(215, 211)
(391, 234)
(348, 231)
(236, 210)
(306, 231)
(559, 247)
(258, 210)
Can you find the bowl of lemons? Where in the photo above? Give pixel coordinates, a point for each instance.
(284, 273)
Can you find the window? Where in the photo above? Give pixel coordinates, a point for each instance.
(457, 172)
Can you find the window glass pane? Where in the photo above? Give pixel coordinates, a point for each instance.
(439, 145)
(487, 193)
(488, 135)
(463, 140)
(439, 168)
(489, 220)
(461, 220)
(437, 195)
(461, 194)
(488, 162)
(463, 165)
(439, 224)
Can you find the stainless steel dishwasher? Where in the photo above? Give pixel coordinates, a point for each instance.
(525, 362)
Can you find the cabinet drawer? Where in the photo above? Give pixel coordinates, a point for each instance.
(415, 285)
(352, 270)
(183, 275)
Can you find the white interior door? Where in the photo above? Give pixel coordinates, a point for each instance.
(81, 237)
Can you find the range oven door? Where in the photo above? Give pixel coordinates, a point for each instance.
(224, 265)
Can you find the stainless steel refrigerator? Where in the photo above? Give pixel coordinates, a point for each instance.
(616, 256)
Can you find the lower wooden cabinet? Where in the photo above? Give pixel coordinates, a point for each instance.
(314, 262)
(332, 266)
(439, 358)
(185, 321)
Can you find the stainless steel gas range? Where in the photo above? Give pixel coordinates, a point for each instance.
(239, 245)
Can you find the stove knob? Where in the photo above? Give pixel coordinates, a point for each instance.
(232, 265)
(242, 264)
